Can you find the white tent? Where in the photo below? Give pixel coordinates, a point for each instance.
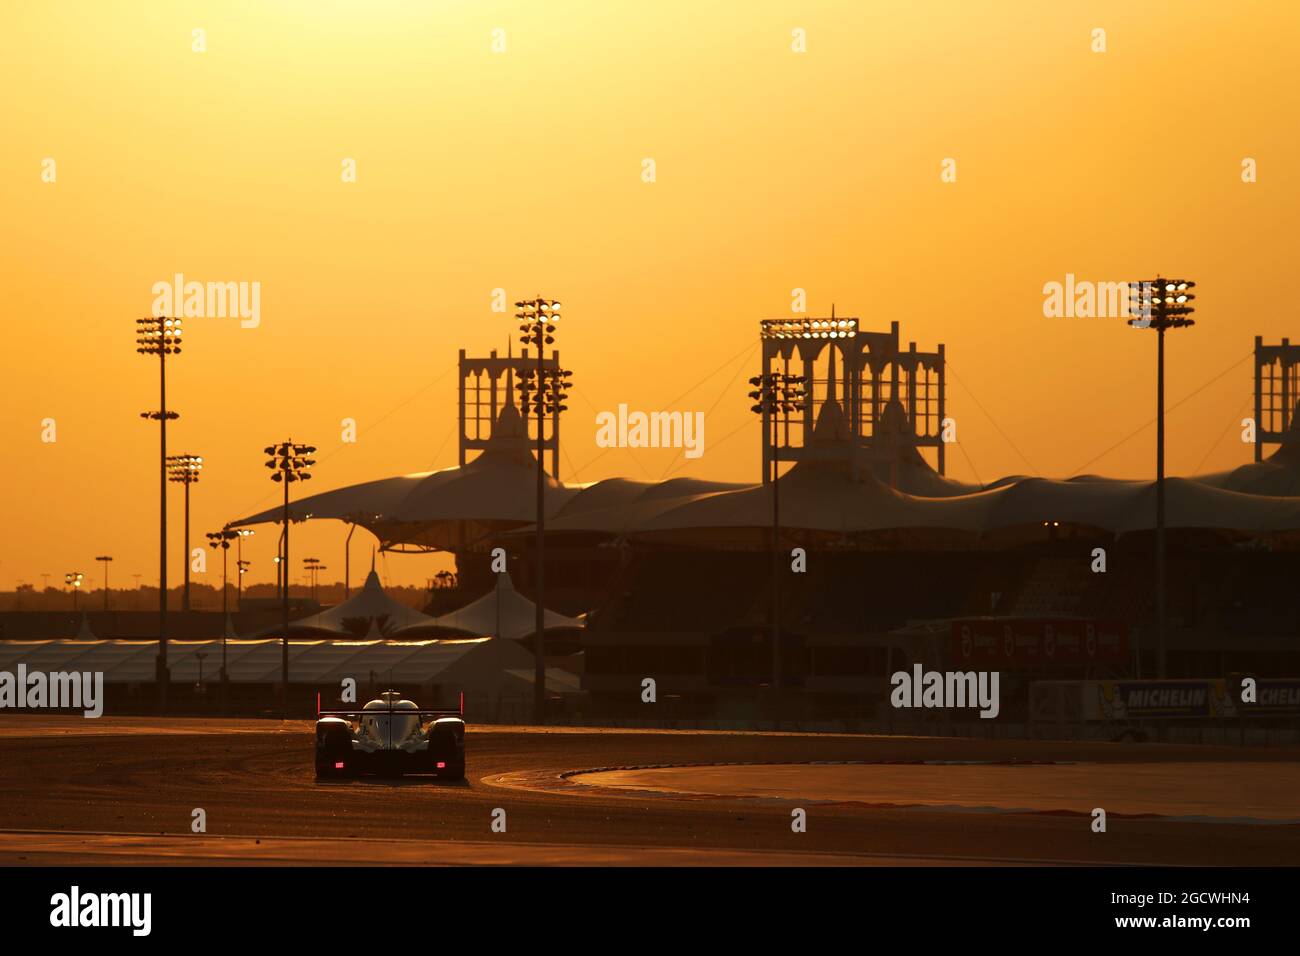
(370, 613)
(504, 612)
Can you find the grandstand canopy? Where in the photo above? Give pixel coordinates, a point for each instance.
(442, 510)
(827, 498)
(837, 489)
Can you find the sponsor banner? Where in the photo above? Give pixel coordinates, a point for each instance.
(1037, 643)
(1145, 699)
(1140, 699)
(1278, 696)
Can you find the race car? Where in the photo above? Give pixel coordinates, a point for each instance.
(390, 735)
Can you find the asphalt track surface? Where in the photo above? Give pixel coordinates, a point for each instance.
(122, 791)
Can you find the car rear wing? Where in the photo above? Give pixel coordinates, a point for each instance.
(359, 712)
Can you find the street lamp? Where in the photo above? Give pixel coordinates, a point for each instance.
(541, 390)
(1160, 304)
(221, 539)
(289, 462)
(105, 559)
(184, 469)
(347, 561)
(313, 566)
(776, 396)
(73, 580)
(160, 336)
(241, 565)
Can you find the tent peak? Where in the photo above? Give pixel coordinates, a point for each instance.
(509, 424)
(830, 425)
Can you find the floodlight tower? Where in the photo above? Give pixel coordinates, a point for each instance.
(241, 565)
(289, 462)
(312, 566)
(541, 390)
(73, 580)
(1160, 304)
(105, 559)
(161, 336)
(776, 396)
(801, 341)
(221, 539)
(184, 470)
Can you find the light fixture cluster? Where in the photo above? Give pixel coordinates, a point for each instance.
(544, 396)
(289, 461)
(158, 335)
(184, 468)
(221, 539)
(536, 320)
(778, 393)
(809, 328)
(1161, 303)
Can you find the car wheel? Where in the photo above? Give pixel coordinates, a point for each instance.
(447, 748)
(333, 747)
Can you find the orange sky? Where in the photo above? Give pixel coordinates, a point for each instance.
(522, 170)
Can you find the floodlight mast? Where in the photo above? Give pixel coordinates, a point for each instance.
(221, 539)
(241, 566)
(184, 469)
(289, 462)
(776, 395)
(1161, 304)
(313, 567)
(544, 391)
(73, 580)
(161, 336)
(105, 559)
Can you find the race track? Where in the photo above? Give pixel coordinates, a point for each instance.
(123, 790)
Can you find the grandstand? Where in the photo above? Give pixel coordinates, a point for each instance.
(900, 557)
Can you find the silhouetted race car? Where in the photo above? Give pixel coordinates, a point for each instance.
(390, 736)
